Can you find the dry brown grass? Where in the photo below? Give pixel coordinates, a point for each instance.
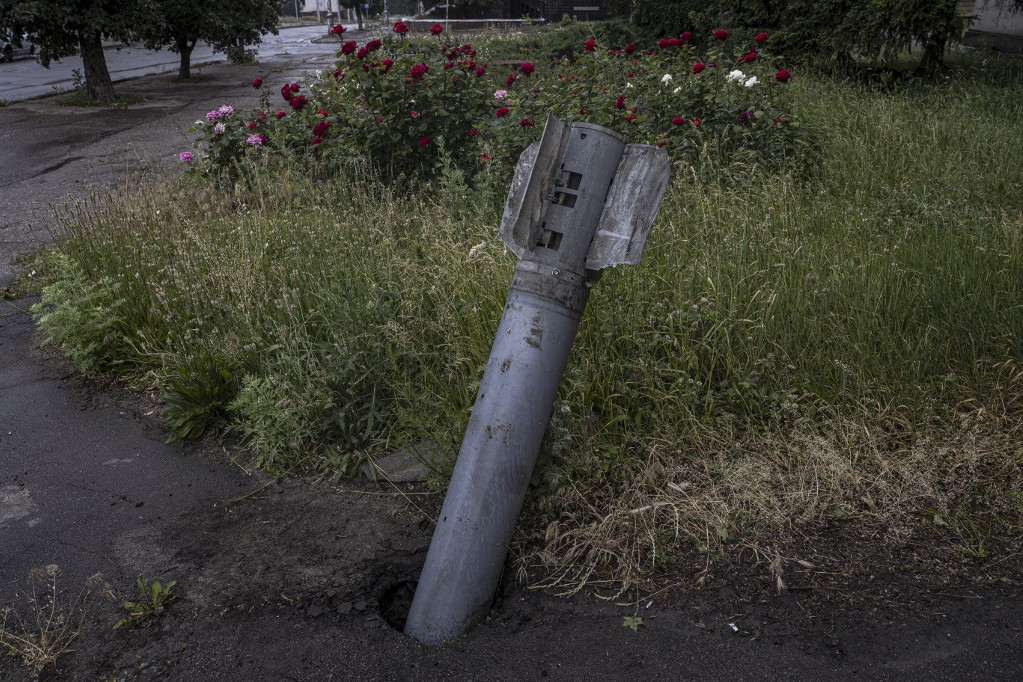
(51, 628)
(962, 476)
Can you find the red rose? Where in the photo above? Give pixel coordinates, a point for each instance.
(484, 158)
(418, 71)
(257, 83)
(262, 115)
(387, 64)
(349, 47)
(750, 57)
(686, 35)
(678, 120)
(294, 87)
(526, 123)
(320, 129)
(649, 52)
(316, 140)
(590, 45)
(286, 92)
(374, 45)
(630, 48)
(338, 29)
(663, 43)
(338, 74)
(423, 141)
(448, 66)
(697, 122)
(298, 102)
(252, 125)
(361, 54)
(782, 76)
(662, 143)
(620, 102)
(435, 30)
(526, 68)
(281, 114)
(480, 70)
(473, 132)
(761, 38)
(502, 111)
(511, 79)
(720, 34)
(414, 113)
(400, 28)
(698, 67)
(630, 118)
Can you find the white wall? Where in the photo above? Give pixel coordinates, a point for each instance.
(994, 16)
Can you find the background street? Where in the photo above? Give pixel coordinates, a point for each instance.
(26, 78)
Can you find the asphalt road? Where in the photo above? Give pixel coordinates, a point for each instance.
(26, 78)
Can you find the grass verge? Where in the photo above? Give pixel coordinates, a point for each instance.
(792, 350)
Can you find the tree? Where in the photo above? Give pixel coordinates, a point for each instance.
(64, 27)
(353, 4)
(225, 26)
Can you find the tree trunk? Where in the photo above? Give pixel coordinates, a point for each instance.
(184, 48)
(358, 13)
(97, 76)
(932, 61)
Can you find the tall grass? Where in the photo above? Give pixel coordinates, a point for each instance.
(792, 347)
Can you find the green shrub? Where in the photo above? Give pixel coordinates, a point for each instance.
(830, 29)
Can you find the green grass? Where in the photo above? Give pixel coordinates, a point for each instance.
(838, 344)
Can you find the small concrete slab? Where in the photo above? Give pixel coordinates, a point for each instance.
(413, 463)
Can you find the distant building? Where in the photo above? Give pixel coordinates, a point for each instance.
(553, 10)
(997, 25)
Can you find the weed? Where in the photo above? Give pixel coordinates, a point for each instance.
(156, 597)
(634, 623)
(40, 640)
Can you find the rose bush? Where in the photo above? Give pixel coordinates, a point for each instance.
(413, 105)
